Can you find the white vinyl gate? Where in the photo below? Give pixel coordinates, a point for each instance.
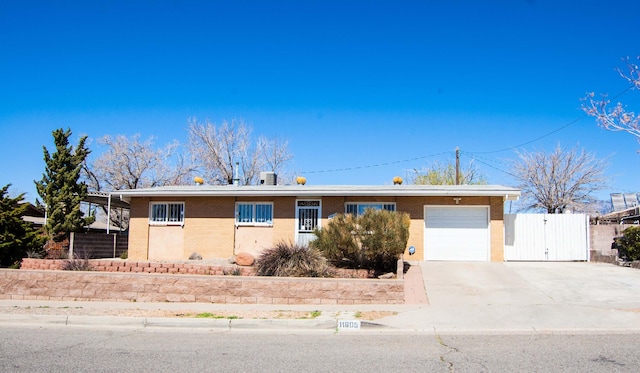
(542, 237)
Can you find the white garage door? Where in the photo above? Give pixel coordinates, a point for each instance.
(456, 233)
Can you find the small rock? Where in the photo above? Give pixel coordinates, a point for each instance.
(195, 256)
(244, 259)
(386, 275)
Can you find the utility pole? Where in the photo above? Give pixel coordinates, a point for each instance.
(457, 165)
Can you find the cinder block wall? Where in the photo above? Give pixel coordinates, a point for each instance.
(601, 237)
(151, 287)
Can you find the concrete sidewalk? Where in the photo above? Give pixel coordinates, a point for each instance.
(462, 298)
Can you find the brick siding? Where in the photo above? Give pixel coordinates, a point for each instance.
(209, 223)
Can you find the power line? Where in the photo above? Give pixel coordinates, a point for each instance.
(534, 140)
(549, 133)
(491, 166)
(472, 154)
(375, 165)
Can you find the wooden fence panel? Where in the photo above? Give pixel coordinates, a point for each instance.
(96, 244)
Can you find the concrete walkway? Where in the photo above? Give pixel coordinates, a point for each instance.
(441, 297)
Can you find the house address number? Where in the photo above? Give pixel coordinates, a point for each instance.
(348, 324)
(308, 203)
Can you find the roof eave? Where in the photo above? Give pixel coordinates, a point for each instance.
(505, 193)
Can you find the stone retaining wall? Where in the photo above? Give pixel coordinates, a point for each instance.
(150, 287)
(118, 265)
(191, 267)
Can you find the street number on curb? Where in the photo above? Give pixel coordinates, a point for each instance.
(348, 324)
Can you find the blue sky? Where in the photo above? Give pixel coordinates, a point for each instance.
(363, 90)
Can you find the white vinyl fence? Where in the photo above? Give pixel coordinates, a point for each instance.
(542, 237)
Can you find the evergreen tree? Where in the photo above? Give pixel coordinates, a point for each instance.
(17, 237)
(60, 188)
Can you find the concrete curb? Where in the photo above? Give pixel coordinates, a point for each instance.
(58, 320)
(285, 325)
(277, 324)
(190, 323)
(203, 323)
(105, 321)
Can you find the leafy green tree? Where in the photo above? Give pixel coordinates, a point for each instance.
(60, 188)
(17, 237)
(439, 174)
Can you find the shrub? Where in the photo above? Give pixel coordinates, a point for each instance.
(384, 238)
(36, 253)
(629, 244)
(286, 259)
(234, 271)
(195, 256)
(77, 265)
(374, 240)
(337, 242)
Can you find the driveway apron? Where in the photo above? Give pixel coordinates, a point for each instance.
(478, 283)
(592, 284)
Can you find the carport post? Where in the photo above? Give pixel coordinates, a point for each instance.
(108, 212)
(71, 237)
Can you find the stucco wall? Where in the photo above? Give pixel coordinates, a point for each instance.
(253, 240)
(601, 237)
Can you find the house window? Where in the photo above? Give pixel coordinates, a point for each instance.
(254, 213)
(358, 208)
(167, 213)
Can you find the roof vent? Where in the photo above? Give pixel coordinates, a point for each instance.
(268, 178)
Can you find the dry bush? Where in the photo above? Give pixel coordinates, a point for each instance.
(286, 259)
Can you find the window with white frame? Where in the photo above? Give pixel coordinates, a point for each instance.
(358, 208)
(254, 213)
(167, 213)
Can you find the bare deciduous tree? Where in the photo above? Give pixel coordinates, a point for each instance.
(128, 163)
(217, 149)
(616, 118)
(560, 181)
(438, 174)
(275, 152)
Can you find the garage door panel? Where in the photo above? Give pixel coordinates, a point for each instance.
(457, 233)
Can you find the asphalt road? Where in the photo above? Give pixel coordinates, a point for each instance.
(76, 349)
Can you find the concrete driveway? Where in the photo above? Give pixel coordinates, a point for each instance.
(531, 283)
(524, 297)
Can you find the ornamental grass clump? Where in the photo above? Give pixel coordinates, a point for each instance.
(77, 265)
(286, 259)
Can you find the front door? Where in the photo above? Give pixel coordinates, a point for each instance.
(307, 220)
